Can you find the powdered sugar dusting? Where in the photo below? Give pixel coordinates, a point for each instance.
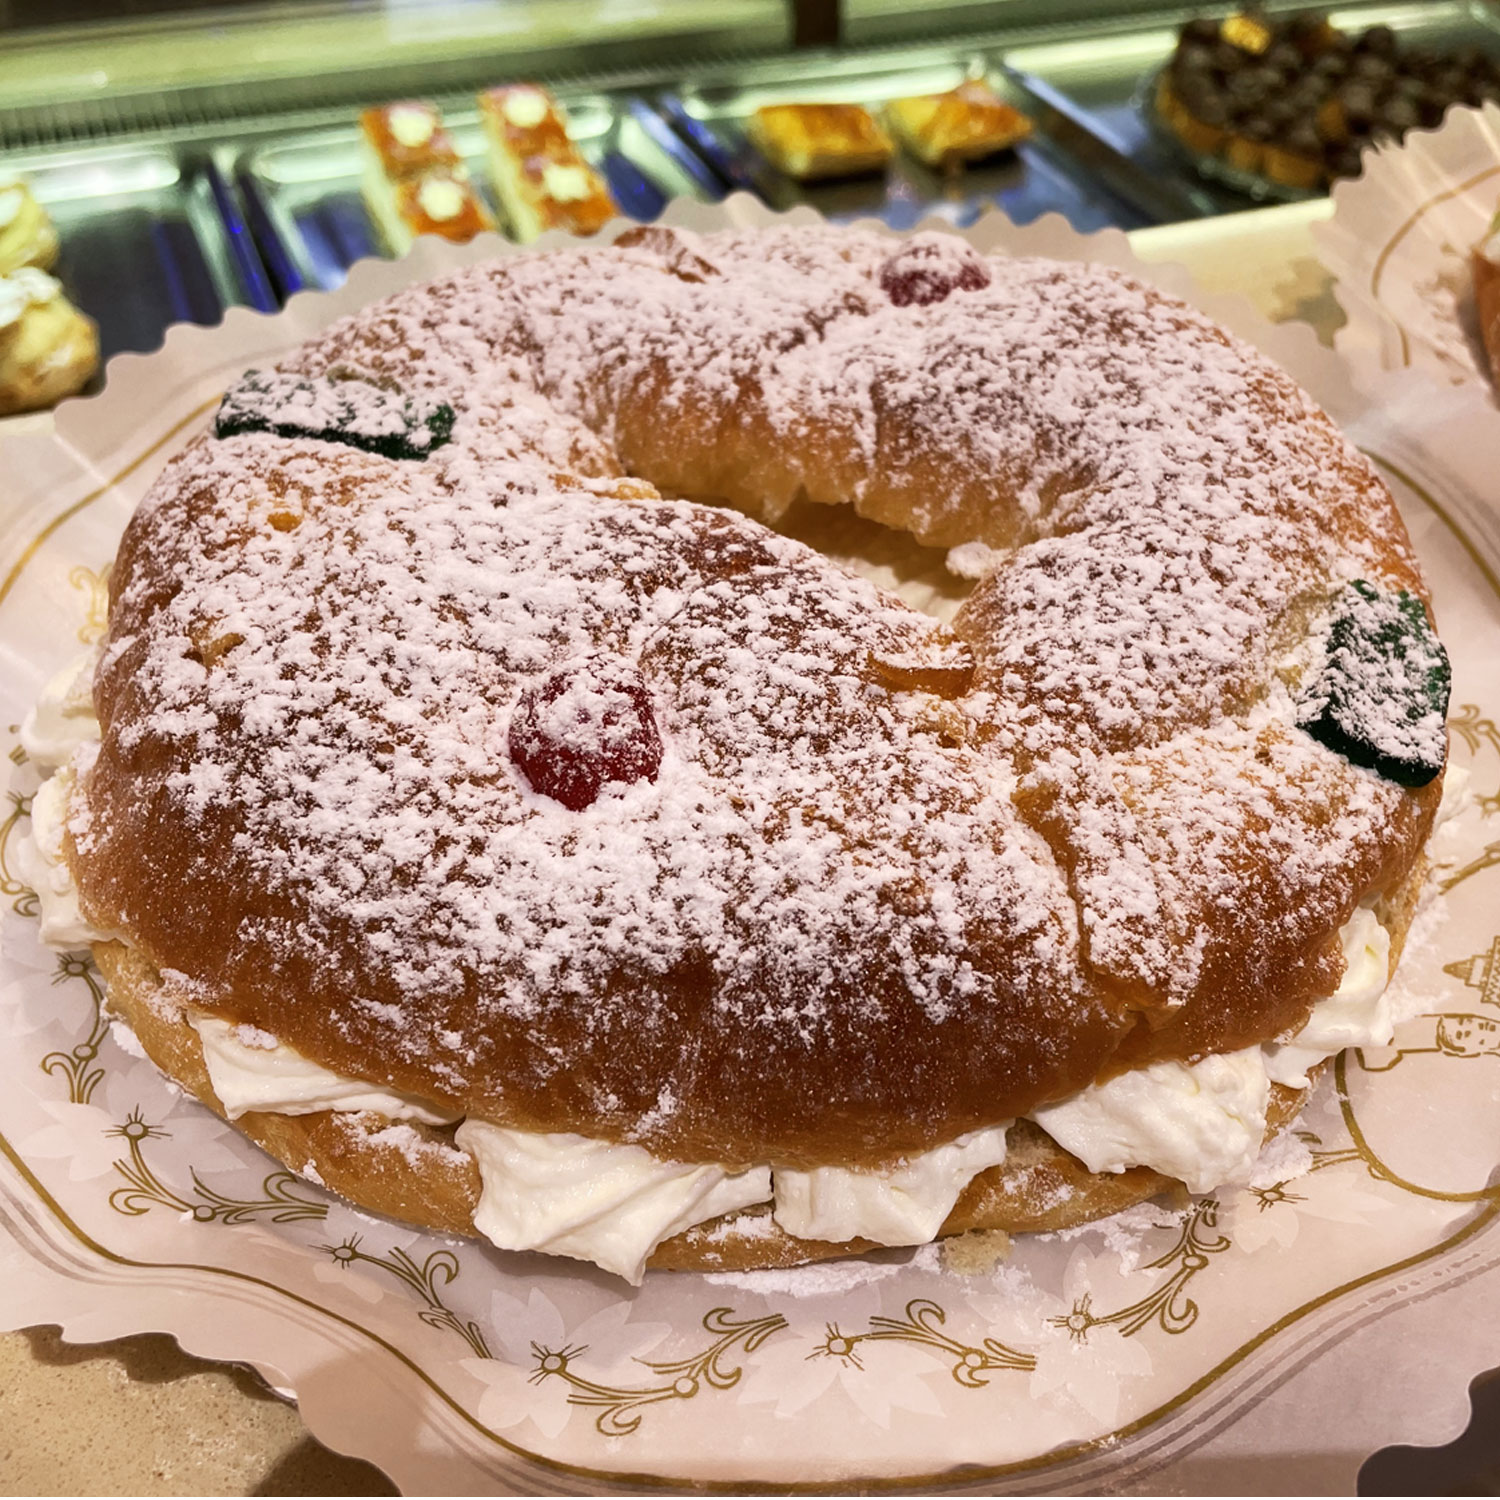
(832, 1278)
(1284, 1157)
(872, 847)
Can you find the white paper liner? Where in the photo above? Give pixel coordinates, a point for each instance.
(1398, 247)
(1285, 1331)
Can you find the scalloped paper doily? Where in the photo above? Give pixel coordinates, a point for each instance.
(1398, 245)
(1285, 1331)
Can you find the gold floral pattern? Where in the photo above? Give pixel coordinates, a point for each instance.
(95, 587)
(23, 899)
(441, 1267)
(1169, 1306)
(1275, 1193)
(922, 1325)
(620, 1408)
(145, 1190)
(80, 1063)
(1479, 733)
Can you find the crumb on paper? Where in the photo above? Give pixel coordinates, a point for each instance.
(976, 1253)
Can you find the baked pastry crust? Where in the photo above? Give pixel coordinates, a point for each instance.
(408, 138)
(51, 350)
(965, 124)
(894, 882)
(417, 184)
(416, 1174)
(27, 235)
(540, 177)
(815, 141)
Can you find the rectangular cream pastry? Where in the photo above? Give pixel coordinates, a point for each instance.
(813, 141)
(414, 181)
(965, 124)
(541, 180)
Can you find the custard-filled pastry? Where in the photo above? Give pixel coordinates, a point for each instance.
(508, 834)
(48, 349)
(965, 124)
(27, 235)
(414, 181)
(814, 141)
(540, 177)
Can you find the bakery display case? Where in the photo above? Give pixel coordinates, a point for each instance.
(1060, 167)
(301, 189)
(1114, 79)
(227, 172)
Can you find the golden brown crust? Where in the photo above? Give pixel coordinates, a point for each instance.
(397, 158)
(50, 352)
(528, 149)
(28, 237)
(965, 124)
(815, 141)
(344, 1152)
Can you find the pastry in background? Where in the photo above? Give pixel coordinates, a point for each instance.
(814, 141)
(541, 179)
(27, 237)
(48, 349)
(947, 130)
(1484, 260)
(407, 138)
(1295, 101)
(414, 181)
(442, 201)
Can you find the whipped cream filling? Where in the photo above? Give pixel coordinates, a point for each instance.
(1205, 1122)
(61, 723)
(411, 124)
(63, 719)
(905, 1205)
(41, 865)
(24, 288)
(565, 183)
(252, 1070)
(441, 198)
(592, 1200)
(1357, 1014)
(524, 108)
(1202, 1122)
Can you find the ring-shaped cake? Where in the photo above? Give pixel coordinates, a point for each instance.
(468, 738)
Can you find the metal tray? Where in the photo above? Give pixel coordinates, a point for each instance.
(302, 194)
(1106, 79)
(1064, 167)
(147, 239)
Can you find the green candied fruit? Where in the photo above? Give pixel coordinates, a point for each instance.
(1381, 698)
(353, 412)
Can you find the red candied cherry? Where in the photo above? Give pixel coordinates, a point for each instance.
(930, 266)
(585, 724)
